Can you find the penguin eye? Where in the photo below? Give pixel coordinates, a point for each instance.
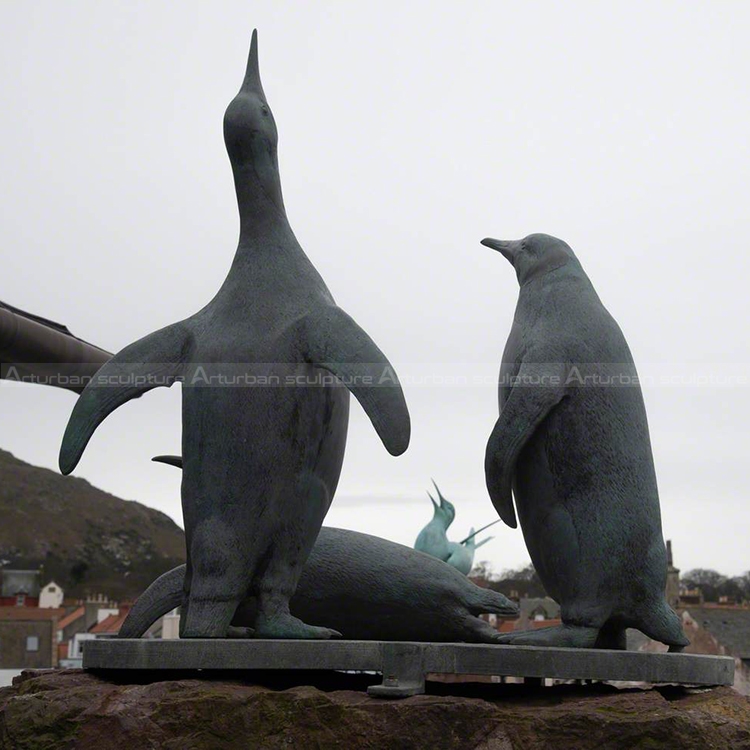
(264, 110)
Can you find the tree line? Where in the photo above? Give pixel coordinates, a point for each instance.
(715, 585)
(524, 582)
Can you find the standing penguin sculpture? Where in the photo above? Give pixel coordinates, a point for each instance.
(261, 464)
(433, 539)
(572, 445)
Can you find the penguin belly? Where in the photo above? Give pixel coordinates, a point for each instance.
(545, 522)
(574, 479)
(261, 466)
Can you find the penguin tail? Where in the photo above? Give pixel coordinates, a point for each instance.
(155, 360)
(662, 623)
(486, 601)
(175, 461)
(161, 597)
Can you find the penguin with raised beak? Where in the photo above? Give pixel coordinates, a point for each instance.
(261, 464)
(433, 539)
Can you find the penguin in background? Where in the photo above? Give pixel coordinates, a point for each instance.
(433, 539)
(261, 464)
(462, 553)
(571, 445)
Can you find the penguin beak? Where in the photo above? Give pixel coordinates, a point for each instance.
(432, 500)
(440, 495)
(252, 74)
(508, 248)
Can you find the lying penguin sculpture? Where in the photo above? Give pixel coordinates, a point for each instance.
(261, 464)
(433, 539)
(572, 444)
(365, 587)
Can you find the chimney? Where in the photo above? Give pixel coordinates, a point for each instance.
(673, 579)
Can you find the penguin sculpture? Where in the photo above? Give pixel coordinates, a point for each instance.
(367, 588)
(261, 464)
(462, 553)
(433, 539)
(572, 445)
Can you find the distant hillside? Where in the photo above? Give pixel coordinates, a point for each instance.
(87, 540)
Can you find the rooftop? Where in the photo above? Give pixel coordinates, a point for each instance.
(76, 614)
(729, 625)
(29, 613)
(110, 624)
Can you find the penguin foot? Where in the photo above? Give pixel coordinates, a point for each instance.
(565, 636)
(286, 626)
(234, 631)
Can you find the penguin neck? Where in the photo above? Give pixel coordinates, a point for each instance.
(542, 268)
(439, 519)
(260, 205)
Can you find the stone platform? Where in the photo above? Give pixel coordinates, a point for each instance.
(404, 666)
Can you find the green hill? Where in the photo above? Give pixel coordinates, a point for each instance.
(87, 540)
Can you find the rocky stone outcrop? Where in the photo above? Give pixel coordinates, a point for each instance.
(74, 709)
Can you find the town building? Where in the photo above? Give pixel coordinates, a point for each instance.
(19, 588)
(50, 596)
(673, 579)
(28, 637)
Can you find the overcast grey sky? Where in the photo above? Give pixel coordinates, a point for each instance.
(407, 132)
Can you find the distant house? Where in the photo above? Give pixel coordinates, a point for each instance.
(110, 625)
(672, 591)
(78, 625)
(74, 622)
(690, 598)
(19, 588)
(722, 630)
(73, 658)
(28, 637)
(107, 625)
(536, 609)
(534, 612)
(75, 632)
(50, 596)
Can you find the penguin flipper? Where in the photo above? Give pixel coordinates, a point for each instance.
(333, 341)
(525, 409)
(153, 361)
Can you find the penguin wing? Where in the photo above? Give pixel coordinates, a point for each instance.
(153, 361)
(333, 341)
(484, 541)
(524, 410)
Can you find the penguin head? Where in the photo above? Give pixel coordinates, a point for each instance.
(533, 255)
(249, 128)
(445, 511)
